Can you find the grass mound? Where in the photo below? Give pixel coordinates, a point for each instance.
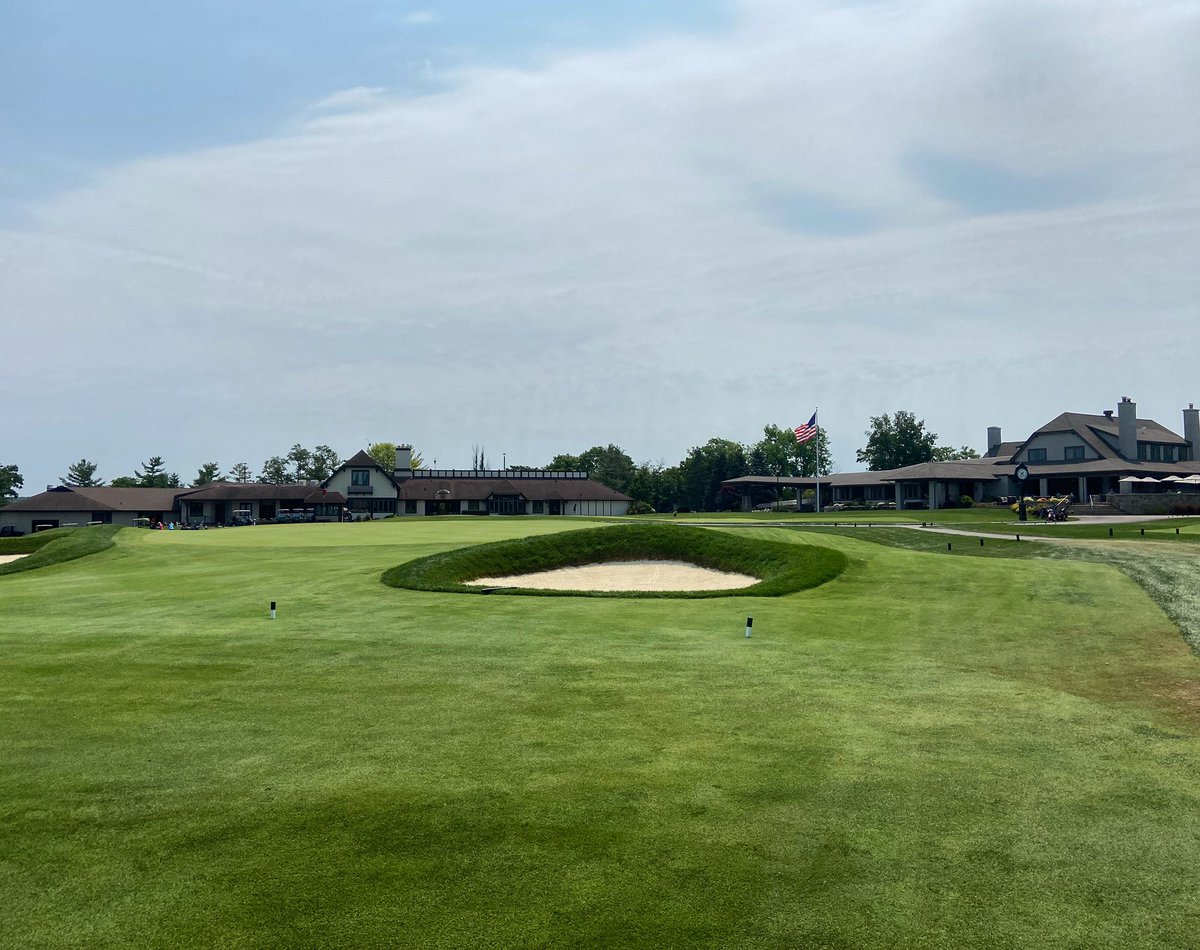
(782, 568)
(55, 546)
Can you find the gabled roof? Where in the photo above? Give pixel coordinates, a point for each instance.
(359, 459)
(1091, 427)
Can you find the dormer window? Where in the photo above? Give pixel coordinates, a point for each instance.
(1073, 453)
(1037, 455)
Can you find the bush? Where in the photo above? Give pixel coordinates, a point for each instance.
(966, 501)
(640, 508)
(782, 568)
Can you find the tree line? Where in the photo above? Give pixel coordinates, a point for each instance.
(695, 482)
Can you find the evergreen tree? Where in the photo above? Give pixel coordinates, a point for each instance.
(82, 474)
(154, 474)
(209, 472)
(240, 473)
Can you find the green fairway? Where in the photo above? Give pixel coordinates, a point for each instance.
(927, 751)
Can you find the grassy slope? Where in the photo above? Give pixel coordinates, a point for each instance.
(930, 751)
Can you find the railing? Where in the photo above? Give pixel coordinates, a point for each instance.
(361, 490)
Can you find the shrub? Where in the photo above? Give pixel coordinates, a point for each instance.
(640, 508)
(966, 501)
(782, 568)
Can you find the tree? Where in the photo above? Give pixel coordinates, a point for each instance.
(385, 454)
(897, 441)
(209, 472)
(780, 455)
(10, 481)
(275, 471)
(124, 481)
(705, 468)
(656, 485)
(301, 458)
(565, 463)
(609, 465)
(240, 473)
(478, 460)
(944, 453)
(82, 474)
(154, 474)
(324, 460)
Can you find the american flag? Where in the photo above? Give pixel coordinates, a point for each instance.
(807, 431)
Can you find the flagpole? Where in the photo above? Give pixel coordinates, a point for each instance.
(818, 462)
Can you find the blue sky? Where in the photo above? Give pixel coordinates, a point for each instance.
(229, 227)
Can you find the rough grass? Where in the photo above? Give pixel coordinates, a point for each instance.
(46, 548)
(781, 568)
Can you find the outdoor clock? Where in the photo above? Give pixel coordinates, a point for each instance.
(1022, 472)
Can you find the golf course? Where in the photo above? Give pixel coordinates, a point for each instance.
(927, 742)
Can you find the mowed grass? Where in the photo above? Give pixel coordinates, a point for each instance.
(929, 751)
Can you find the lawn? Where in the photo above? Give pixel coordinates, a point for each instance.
(929, 751)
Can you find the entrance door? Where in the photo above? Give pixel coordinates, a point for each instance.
(555, 507)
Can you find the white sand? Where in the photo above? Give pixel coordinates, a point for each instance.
(5, 558)
(624, 575)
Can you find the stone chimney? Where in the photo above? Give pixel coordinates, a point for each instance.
(1127, 428)
(1191, 430)
(403, 461)
(993, 442)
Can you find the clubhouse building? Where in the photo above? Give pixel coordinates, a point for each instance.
(360, 488)
(1087, 456)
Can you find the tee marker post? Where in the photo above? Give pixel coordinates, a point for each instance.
(749, 625)
(272, 610)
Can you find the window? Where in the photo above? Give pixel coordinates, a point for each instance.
(360, 476)
(1073, 453)
(1156, 453)
(473, 504)
(410, 507)
(537, 507)
(1143, 451)
(383, 506)
(1037, 455)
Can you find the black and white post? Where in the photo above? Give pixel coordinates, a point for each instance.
(749, 625)
(272, 610)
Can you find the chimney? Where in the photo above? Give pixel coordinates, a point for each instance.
(1127, 428)
(403, 461)
(1191, 430)
(993, 442)
(1108, 414)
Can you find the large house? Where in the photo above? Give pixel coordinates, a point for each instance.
(374, 491)
(1087, 456)
(360, 488)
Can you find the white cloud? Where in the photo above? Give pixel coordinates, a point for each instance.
(549, 258)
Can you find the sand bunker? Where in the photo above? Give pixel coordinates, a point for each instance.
(5, 558)
(624, 575)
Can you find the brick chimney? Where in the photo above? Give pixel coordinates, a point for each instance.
(993, 440)
(1127, 428)
(1191, 430)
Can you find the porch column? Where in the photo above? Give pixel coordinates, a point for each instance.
(1043, 488)
(1082, 494)
(899, 496)
(933, 498)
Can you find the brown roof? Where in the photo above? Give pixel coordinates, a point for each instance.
(66, 498)
(360, 458)
(254, 491)
(533, 489)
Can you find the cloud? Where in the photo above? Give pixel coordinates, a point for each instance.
(421, 18)
(687, 237)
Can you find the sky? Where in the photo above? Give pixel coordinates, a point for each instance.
(537, 226)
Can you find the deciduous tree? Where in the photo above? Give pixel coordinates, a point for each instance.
(705, 468)
(896, 441)
(944, 453)
(275, 471)
(10, 481)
